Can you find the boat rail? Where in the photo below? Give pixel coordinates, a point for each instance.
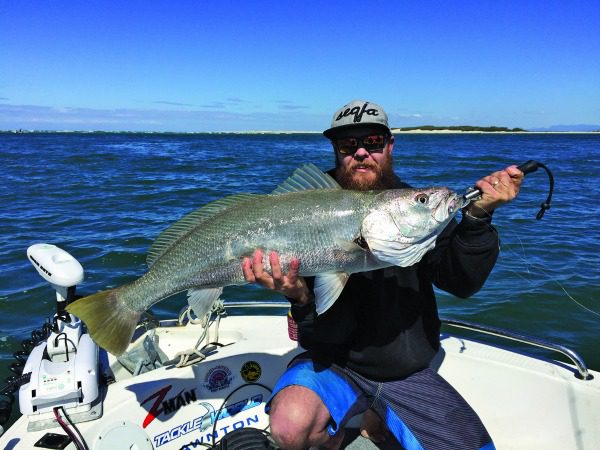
(582, 369)
(257, 304)
(525, 339)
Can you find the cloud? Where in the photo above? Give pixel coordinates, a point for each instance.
(164, 102)
(214, 117)
(236, 100)
(219, 105)
(409, 115)
(289, 105)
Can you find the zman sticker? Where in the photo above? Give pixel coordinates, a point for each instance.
(169, 405)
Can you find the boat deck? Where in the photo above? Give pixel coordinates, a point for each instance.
(354, 441)
(524, 401)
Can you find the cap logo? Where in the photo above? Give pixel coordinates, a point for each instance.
(358, 113)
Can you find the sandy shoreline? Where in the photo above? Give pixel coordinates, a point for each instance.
(396, 131)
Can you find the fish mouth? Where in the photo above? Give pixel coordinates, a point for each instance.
(448, 207)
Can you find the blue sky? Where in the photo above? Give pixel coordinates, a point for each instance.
(201, 65)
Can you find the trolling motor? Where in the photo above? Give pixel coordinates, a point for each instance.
(530, 166)
(63, 369)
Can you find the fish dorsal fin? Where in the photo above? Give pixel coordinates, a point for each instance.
(306, 177)
(171, 235)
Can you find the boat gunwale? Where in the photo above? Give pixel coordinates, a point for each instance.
(582, 371)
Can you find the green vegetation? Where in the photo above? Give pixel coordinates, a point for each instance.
(459, 128)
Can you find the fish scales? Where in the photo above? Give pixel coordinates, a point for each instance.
(211, 254)
(333, 232)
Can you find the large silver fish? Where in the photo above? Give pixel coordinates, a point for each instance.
(333, 231)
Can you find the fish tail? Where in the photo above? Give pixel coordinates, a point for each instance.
(109, 322)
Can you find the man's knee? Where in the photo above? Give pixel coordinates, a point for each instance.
(298, 418)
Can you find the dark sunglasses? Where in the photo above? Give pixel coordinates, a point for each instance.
(373, 144)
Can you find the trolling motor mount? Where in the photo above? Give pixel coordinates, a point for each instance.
(64, 368)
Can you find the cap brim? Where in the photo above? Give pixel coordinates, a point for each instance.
(334, 132)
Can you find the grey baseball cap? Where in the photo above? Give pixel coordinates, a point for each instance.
(357, 113)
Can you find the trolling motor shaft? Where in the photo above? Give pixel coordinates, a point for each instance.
(530, 166)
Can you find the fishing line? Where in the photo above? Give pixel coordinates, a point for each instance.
(530, 166)
(540, 269)
(530, 267)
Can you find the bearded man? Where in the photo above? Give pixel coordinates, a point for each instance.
(372, 351)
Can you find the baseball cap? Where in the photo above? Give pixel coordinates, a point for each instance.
(357, 113)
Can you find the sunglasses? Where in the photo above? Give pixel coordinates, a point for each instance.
(373, 144)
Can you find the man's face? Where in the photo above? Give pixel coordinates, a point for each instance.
(364, 159)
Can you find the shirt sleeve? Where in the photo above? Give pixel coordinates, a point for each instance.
(332, 328)
(464, 256)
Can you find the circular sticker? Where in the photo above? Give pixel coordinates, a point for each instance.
(250, 371)
(218, 378)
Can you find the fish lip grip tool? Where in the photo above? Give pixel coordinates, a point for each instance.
(473, 193)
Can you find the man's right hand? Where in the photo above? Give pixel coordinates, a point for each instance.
(291, 285)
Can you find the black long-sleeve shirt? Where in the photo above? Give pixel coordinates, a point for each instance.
(385, 324)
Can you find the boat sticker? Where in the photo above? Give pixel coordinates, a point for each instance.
(200, 423)
(250, 371)
(218, 378)
(205, 428)
(169, 405)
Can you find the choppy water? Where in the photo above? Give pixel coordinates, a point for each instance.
(105, 197)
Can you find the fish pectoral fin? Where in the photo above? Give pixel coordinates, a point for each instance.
(328, 287)
(201, 300)
(400, 254)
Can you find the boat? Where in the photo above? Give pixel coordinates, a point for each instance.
(188, 382)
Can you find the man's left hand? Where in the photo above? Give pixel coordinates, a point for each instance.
(497, 189)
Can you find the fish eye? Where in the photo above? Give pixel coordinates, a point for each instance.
(422, 199)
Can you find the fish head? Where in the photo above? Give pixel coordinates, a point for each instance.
(403, 224)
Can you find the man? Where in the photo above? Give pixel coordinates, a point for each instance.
(371, 351)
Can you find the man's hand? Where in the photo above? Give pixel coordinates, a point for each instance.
(497, 189)
(290, 284)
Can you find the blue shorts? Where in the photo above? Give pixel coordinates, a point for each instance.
(422, 411)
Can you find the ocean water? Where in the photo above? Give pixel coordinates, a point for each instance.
(104, 198)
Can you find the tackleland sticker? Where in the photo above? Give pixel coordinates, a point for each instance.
(218, 378)
(251, 371)
(204, 426)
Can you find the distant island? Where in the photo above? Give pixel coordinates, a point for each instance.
(441, 129)
(460, 128)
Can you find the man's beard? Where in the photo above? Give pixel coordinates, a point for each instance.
(384, 176)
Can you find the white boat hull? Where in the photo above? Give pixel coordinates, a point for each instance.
(525, 402)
